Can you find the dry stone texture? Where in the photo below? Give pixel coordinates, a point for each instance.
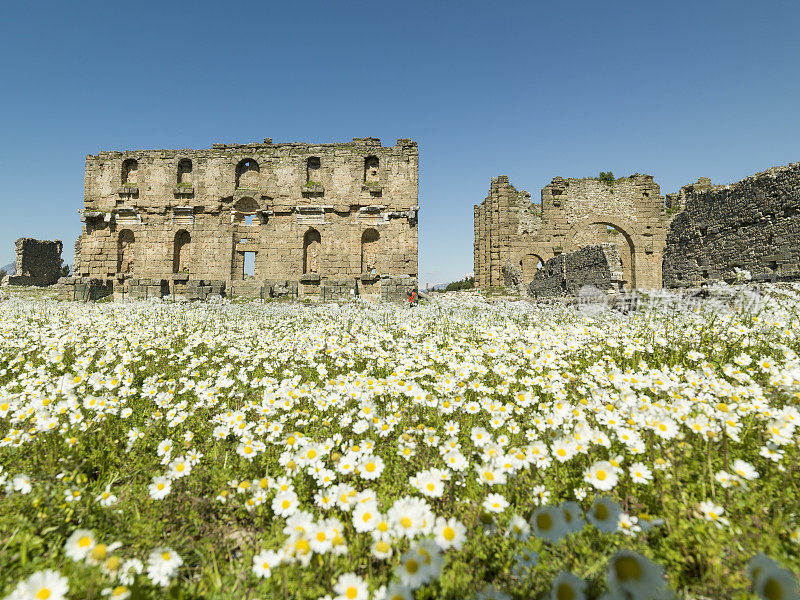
(598, 266)
(306, 213)
(38, 262)
(752, 225)
(511, 230)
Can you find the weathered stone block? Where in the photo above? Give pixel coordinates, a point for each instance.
(38, 262)
(597, 266)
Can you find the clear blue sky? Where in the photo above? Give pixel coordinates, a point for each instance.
(528, 89)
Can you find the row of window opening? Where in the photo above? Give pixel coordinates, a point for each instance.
(248, 171)
(312, 251)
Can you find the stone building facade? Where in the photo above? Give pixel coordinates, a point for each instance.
(301, 214)
(752, 225)
(512, 232)
(38, 262)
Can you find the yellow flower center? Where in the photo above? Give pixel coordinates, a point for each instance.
(627, 568)
(98, 552)
(565, 592)
(449, 533)
(544, 522)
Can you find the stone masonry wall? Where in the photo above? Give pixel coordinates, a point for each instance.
(573, 213)
(599, 266)
(84, 289)
(335, 211)
(38, 262)
(752, 225)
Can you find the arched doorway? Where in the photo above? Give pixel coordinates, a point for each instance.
(530, 264)
(247, 174)
(125, 251)
(130, 169)
(609, 232)
(371, 169)
(312, 249)
(181, 254)
(370, 251)
(185, 172)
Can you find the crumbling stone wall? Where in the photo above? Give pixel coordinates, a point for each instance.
(512, 278)
(573, 213)
(675, 203)
(151, 214)
(397, 289)
(599, 266)
(504, 221)
(38, 262)
(84, 289)
(752, 225)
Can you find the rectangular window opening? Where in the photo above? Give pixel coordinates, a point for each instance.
(249, 264)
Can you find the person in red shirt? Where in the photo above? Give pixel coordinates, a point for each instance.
(413, 297)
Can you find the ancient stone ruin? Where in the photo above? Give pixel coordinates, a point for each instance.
(293, 219)
(628, 212)
(752, 225)
(598, 266)
(703, 233)
(38, 262)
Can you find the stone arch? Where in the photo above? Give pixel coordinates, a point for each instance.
(312, 252)
(130, 171)
(245, 212)
(248, 173)
(370, 251)
(181, 254)
(313, 170)
(125, 251)
(608, 231)
(184, 171)
(372, 167)
(530, 263)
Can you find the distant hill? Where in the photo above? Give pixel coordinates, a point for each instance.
(467, 283)
(10, 268)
